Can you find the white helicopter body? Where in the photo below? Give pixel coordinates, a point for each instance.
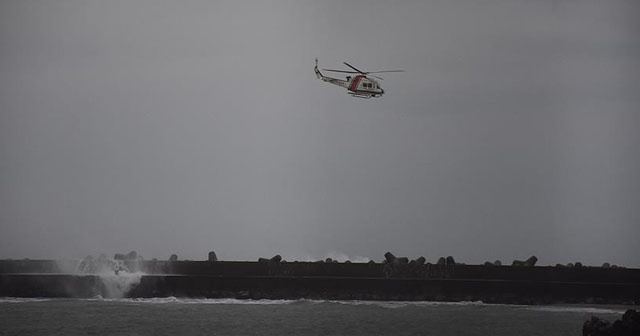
(360, 85)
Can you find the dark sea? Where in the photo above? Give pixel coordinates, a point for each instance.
(176, 316)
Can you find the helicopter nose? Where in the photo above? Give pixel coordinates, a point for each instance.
(381, 91)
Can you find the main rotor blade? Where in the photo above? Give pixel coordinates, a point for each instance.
(342, 71)
(385, 71)
(378, 77)
(354, 68)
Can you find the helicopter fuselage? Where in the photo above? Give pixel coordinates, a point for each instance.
(363, 85)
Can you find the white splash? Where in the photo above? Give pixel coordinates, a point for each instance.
(117, 286)
(341, 257)
(116, 278)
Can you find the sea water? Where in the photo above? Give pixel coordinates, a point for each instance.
(177, 316)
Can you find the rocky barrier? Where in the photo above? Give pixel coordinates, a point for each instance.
(628, 325)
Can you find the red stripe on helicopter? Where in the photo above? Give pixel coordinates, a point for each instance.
(354, 83)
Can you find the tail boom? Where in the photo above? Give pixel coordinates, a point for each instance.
(331, 80)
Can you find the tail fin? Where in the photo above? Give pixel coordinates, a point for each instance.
(318, 74)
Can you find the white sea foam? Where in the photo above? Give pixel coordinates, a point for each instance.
(402, 304)
(381, 304)
(23, 300)
(230, 301)
(175, 300)
(572, 309)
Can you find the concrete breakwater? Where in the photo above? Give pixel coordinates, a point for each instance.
(340, 281)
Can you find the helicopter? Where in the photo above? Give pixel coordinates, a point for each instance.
(361, 85)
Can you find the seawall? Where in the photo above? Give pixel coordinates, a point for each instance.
(339, 281)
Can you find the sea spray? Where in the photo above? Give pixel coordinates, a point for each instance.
(115, 277)
(117, 286)
(333, 255)
(342, 257)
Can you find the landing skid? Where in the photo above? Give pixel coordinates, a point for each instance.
(365, 96)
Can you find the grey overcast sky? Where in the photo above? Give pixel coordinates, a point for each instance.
(188, 126)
